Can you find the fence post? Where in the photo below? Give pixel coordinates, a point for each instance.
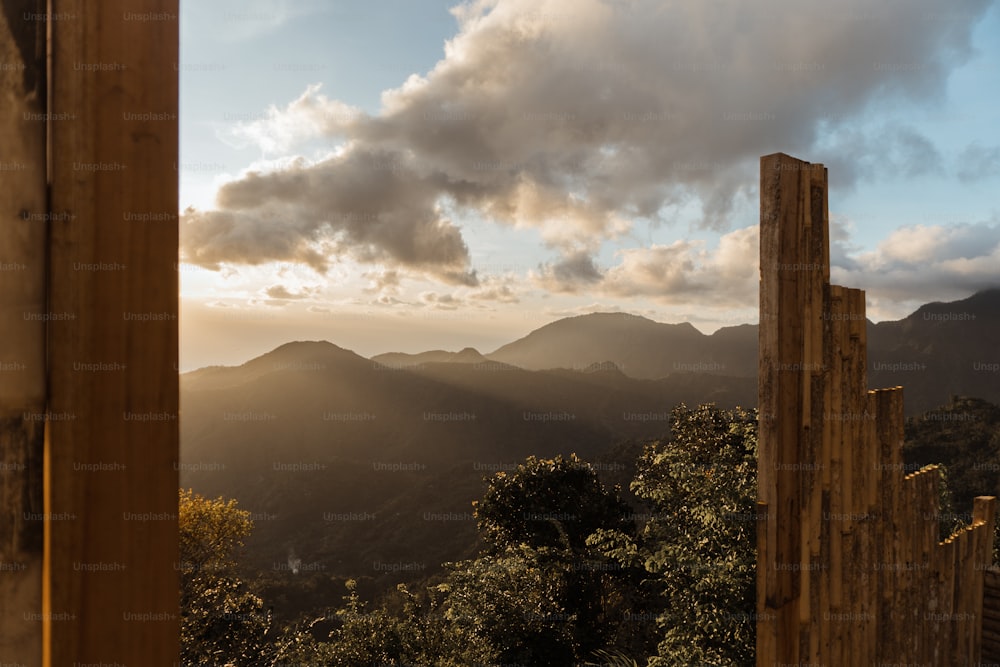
(849, 568)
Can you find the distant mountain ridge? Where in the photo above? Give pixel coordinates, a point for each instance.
(939, 350)
(310, 435)
(640, 347)
(468, 355)
(369, 465)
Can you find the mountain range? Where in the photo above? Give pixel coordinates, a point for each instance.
(367, 468)
(940, 350)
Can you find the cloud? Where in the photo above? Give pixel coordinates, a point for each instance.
(370, 206)
(934, 261)
(440, 301)
(572, 273)
(579, 117)
(498, 289)
(384, 282)
(684, 271)
(978, 162)
(282, 292)
(310, 115)
(884, 152)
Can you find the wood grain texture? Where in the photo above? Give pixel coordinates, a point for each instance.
(111, 493)
(850, 571)
(23, 204)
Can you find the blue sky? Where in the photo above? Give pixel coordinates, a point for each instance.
(346, 176)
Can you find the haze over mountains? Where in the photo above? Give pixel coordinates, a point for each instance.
(939, 350)
(368, 467)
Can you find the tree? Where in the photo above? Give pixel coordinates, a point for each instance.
(548, 503)
(418, 634)
(536, 521)
(700, 541)
(221, 620)
(511, 607)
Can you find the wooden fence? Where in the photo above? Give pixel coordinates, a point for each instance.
(88, 332)
(991, 618)
(850, 569)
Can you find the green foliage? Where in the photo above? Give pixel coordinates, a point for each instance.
(700, 539)
(420, 635)
(548, 503)
(511, 607)
(540, 594)
(221, 620)
(542, 516)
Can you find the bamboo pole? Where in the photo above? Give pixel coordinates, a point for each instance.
(23, 209)
(873, 584)
(784, 386)
(984, 514)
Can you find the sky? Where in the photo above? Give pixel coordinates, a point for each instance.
(392, 175)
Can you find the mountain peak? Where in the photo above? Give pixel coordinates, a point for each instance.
(642, 347)
(983, 304)
(304, 349)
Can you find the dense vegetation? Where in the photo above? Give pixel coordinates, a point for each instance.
(568, 573)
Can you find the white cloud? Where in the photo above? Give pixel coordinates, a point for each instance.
(309, 116)
(937, 262)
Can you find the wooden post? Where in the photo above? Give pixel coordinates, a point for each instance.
(794, 269)
(112, 543)
(984, 516)
(88, 332)
(23, 220)
(849, 566)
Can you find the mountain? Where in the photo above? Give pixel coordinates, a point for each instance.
(468, 355)
(361, 468)
(940, 350)
(640, 347)
(367, 468)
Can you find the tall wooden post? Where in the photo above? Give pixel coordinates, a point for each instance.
(794, 269)
(89, 324)
(112, 592)
(22, 332)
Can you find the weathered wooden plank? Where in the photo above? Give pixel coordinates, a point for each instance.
(834, 442)
(766, 618)
(23, 219)
(112, 593)
(984, 510)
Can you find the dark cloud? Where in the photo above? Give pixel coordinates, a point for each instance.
(282, 292)
(572, 273)
(371, 206)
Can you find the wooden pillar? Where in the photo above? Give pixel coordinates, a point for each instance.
(112, 544)
(794, 269)
(22, 327)
(88, 332)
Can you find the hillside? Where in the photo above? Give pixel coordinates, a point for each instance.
(939, 350)
(328, 449)
(640, 347)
